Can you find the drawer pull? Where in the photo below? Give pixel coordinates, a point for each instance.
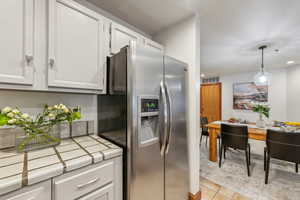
(88, 183)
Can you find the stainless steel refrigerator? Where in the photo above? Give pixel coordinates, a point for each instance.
(144, 111)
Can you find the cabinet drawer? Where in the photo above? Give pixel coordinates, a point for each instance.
(82, 183)
(105, 193)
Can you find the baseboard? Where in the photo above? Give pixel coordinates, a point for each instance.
(195, 196)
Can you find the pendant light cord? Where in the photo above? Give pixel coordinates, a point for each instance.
(262, 59)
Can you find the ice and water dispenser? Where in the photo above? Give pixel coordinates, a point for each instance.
(148, 113)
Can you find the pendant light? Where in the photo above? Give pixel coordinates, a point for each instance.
(262, 78)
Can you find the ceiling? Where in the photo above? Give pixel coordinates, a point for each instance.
(231, 30)
(150, 16)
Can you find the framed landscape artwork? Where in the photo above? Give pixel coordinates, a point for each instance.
(247, 94)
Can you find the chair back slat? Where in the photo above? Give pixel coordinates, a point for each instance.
(283, 145)
(234, 136)
(204, 123)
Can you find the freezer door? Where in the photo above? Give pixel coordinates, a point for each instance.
(176, 155)
(147, 163)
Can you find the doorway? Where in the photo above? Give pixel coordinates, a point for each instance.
(211, 101)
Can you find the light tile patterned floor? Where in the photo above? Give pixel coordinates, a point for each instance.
(284, 183)
(213, 191)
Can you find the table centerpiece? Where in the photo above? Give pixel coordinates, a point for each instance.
(262, 110)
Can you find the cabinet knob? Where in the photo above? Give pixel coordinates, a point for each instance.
(28, 59)
(51, 62)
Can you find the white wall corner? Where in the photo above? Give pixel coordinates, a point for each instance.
(182, 41)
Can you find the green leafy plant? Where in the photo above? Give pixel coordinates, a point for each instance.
(41, 125)
(262, 109)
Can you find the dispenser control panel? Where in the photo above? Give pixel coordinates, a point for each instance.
(149, 105)
(148, 120)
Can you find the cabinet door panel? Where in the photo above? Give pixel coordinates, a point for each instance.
(16, 19)
(40, 191)
(75, 46)
(106, 193)
(121, 37)
(154, 45)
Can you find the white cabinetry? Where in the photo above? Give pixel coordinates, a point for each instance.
(72, 186)
(121, 36)
(63, 49)
(106, 193)
(16, 41)
(154, 45)
(101, 181)
(76, 39)
(40, 191)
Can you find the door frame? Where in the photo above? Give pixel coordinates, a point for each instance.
(220, 95)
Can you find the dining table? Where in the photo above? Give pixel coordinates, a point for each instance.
(214, 128)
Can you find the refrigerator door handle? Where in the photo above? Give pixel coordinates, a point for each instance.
(170, 124)
(163, 119)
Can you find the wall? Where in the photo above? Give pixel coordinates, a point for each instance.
(277, 101)
(293, 93)
(182, 41)
(277, 96)
(33, 102)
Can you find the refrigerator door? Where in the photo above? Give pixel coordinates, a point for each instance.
(176, 156)
(146, 162)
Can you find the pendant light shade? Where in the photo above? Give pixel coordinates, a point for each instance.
(262, 77)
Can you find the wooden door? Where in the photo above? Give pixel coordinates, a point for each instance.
(121, 37)
(76, 40)
(211, 101)
(17, 41)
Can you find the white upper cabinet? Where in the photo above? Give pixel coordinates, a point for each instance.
(76, 40)
(121, 37)
(16, 41)
(154, 45)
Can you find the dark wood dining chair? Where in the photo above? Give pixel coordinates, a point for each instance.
(204, 130)
(235, 137)
(283, 146)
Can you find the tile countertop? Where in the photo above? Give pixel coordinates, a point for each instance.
(21, 169)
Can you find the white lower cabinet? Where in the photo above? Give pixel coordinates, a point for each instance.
(40, 191)
(105, 193)
(79, 183)
(101, 181)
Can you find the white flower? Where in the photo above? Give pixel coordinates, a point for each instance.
(15, 111)
(51, 116)
(12, 121)
(55, 106)
(6, 110)
(11, 115)
(25, 116)
(66, 110)
(62, 106)
(50, 108)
